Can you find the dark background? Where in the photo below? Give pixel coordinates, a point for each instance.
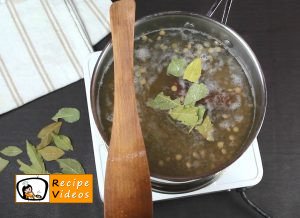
(272, 30)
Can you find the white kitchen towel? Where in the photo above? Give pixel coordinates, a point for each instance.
(43, 44)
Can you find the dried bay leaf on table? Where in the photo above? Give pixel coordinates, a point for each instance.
(176, 67)
(3, 164)
(51, 128)
(45, 134)
(163, 102)
(192, 72)
(26, 168)
(37, 163)
(195, 93)
(44, 142)
(63, 142)
(70, 166)
(35, 157)
(11, 151)
(70, 115)
(50, 153)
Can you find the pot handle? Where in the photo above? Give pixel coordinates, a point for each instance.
(226, 10)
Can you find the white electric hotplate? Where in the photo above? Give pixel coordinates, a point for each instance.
(244, 172)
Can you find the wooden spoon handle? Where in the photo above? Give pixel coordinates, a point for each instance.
(127, 191)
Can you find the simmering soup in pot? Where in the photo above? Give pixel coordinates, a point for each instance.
(194, 101)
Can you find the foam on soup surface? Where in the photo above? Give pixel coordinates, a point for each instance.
(175, 149)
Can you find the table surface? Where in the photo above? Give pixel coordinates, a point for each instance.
(271, 28)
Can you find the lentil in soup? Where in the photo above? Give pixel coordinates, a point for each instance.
(193, 122)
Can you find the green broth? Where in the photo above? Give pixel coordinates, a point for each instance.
(174, 152)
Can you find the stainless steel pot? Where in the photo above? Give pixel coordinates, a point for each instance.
(237, 47)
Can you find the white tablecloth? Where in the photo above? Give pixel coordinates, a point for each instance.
(43, 44)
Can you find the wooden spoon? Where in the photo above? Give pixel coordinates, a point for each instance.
(127, 190)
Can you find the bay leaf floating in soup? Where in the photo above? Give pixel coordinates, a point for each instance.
(194, 101)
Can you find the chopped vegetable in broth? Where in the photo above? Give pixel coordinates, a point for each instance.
(194, 101)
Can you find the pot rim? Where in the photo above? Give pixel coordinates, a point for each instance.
(159, 178)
